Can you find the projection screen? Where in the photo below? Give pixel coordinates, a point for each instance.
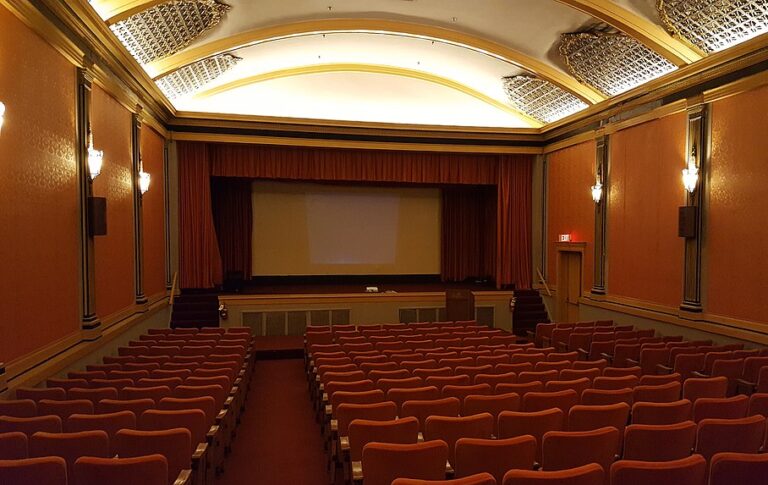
(317, 229)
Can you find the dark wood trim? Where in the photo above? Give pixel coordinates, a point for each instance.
(138, 220)
(88, 318)
(601, 215)
(167, 218)
(698, 141)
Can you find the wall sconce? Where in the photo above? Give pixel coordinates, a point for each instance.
(691, 174)
(144, 179)
(2, 115)
(597, 192)
(95, 157)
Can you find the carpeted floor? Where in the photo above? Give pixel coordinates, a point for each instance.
(278, 441)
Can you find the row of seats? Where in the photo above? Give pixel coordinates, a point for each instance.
(170, 407)
(376, 371)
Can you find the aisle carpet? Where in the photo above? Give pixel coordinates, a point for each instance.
(278, 441)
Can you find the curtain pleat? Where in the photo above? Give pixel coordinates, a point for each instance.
(199, 259)
(513, 243)
(233, 219)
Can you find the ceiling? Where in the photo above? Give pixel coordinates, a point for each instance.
(484, 63)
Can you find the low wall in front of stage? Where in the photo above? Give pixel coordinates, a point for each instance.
(275, 315)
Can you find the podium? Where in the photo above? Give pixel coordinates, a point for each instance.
(459, 305)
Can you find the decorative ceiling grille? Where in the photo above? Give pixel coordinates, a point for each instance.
(168, 28)
(611, 62)
(541, 99)
(193, 76)
(714, 25)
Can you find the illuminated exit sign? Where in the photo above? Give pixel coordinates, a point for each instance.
(565, 238)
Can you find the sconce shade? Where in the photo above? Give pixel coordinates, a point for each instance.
(95, 158)
(2, 115)
(597, 192)
(144, 179)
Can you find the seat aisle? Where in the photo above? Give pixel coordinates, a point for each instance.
(278, 441)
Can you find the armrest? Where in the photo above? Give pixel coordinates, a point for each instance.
(583, 354)
(335, 425)
(606, 356)
(449, 471)
(545, 341)
(221, 416)
(344, 443)
(200, 451)
(328, 409)
(357, 472)
(420, 438)
(212, 433)
(698, 373)
(531, 334)
(228, 401)
(663, 369)
(745, 387)
(562, 346)
(633, 362)
(184, 478)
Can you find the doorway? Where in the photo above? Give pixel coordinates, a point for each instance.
(569, 283)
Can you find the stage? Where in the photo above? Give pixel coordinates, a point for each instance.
(285, 308)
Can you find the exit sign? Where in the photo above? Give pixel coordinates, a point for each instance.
(565, 238)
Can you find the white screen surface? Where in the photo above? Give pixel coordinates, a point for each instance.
(315, 229)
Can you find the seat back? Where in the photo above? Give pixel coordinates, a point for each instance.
(383, 463)
(569, 449)
(539, 401)
(64, 409)
(592, 397)
(174, 444)
(741, 468)
(712, 387)
(146, 470)
(400, 396)
(477, 455)
(49, 470)
(18, 408)
(514, 423)
(686, 471)
(346, 413)
(69, 446)
(615, 383)
(30, 426)
(364, 431)
(669, 392)
(205, 403)
(587, 418)
(591, 474)
(110, 422)
(720, 408)
(192, 420)
(493, 405)
(13, 446)
(450, 429)
(663, 442)
(422, 409)
(743, 435)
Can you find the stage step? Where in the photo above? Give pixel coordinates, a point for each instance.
(195, 309)
(529, 310)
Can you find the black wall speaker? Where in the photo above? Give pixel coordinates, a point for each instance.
(97, 216)
(687, 220)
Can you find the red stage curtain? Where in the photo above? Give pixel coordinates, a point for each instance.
(233, 219)
(506, 246)
(468, 233)
(352, 165)
(513, 244)
(199, 259)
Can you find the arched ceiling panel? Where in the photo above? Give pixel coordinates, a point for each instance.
(358, 96)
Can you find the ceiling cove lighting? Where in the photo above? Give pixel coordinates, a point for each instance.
(95, 157)
(691, 174)
(714, 25)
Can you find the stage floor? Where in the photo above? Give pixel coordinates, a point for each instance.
(346, 288)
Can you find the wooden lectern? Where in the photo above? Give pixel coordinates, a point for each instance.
(459, 305)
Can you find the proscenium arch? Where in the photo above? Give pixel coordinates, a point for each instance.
(368, 68)
(646, 32)
(560, 78)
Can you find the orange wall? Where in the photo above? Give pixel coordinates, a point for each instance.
(645, 255)
(736, 258)
(38, 182)
(111, 124)
(570, 209)
(152, 149)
